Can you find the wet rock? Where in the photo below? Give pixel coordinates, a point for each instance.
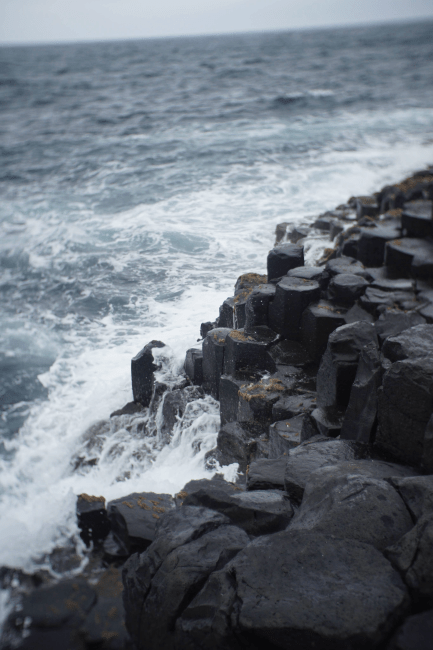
(416, 218)
(234, 445)
(349, 505)
(179, 578)
(115, 549)
(213, 359)
(375, 299)
(315, 273)
(194, 366)
(346, 288)
(257, 399)
(176, 529)
(416, 633)
(366, 206)
(410, 344)
(392, 322)
(129, 409)
(427, 452)
(289, 353)
(245, 352)
(280, 231)
(207, 327)
(266, 474)
(226, 317)
(284, 435)
(339, 364)
(229, 398)
(417, 493)
(243, 288)
(292, 296)
(133, 518)
(300, 590)
(357, 313)
(411, 256)
(327, 422)
(345, 265)
(257, 513)
(359, 421)
(257, 305)
(318, 321)
(372, 242)
(292, 405)
(297, 233)
(405, 405)
(309, 457)
(412, 556)
(348, 243)
(283, 258)
(142, 368)
(92, 518)
(173, 407)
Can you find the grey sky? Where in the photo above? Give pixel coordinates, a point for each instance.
(24, 21)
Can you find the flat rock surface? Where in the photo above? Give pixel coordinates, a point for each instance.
(266, 474)
(411, 343)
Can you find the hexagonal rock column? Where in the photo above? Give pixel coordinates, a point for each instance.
(292, 296)
(246, 352)
(318, 321)
(213, 359)
(257, 306)
(142, 368)
(283, 258)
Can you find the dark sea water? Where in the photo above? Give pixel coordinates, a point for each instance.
(138, 180)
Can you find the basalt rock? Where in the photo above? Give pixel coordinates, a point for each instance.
(416, 633)
(417, 493)
(411, 256)
(318, 321)
(283, 258)
(194, 366)
(229, 397)
(285, 435)
(213, 359)
(315, 273)
(346, 288)
(92, 518)
(410, 344)
(257, 306)
(226, 317)
(372, 242)
(235, 444)
(416, 219)
(243, 289)
(257, 399)
(247, 352)
(266, 474)
(347, 265)
(142, 368)
(392, 322)
(366, 206)
(293, 405)
(292, 296)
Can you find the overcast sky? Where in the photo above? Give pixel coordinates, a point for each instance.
(24, 21)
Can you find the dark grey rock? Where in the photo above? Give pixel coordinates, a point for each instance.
(410, 256)
(416, 633)
(410, 344)
(416, 218)
(229, 399)
(226, 317)
(213, 359)
(372, 242)
(142, 368)
(282, 258)
(319, 320)
(133, 517)
(257, 306)
(289, 353)
(297, 233)
(284, 435)
(246, 352)
(357, 313)
(266, 474)
(393, 321)
(234, 445)
(374, 299)
(92, 518)
(194, 366)
(52, 639)
(427, 452)
(173, 408)
(366, 206)
(405, 405)
(292, 296)
(417, 493)
(349, 505)
(339, 364)
(256, 401)
(345, 264)
(359, 421)
(316, 273)
(129, 409)
(298, 590)
(327, 422)
(289, 406)
(346, 288)
(309, 457)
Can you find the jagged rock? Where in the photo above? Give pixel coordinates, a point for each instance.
(405, 405)
(142, 368)
(292, 405)
(311, 273)
(133, 517)
(339, 364)
(280, 231)
(257, 399)
(297, 232)
(257, 305)
(310, 456)
(327, 422)
(318, 321)
(176, 529)
(282, 258)
(213, 359)
(207, 327)
(285, 435)
(348, 243)
(292, 296)
(234, 445)
(229, 398)
(346, 288)
(416, 218)
(372, 242)
(245, 352)
(257, 513)
(410, 344)
(289, 353)
(266, 474)
(392, 322)
(244, 286)
(357, 313)
(361, 413)
(345, 504)
(410, 256)
(226, 311)
(417, 493)
(412, 556)
(129, 409)
(297, 590)
(416, 633)
(374, 299)
(173, 407)
(194, 366)
(92, 518)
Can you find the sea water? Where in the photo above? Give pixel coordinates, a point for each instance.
(138, 180)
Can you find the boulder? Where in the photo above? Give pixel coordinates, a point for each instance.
(345, 264)
(266, 474)
(133, 518)
(348, 505)
(357, 313)
(405, 404)
(194, 366)
(142, 368)
(318, 321)
(339, 364)
(359, 421)
(92, 519)
(234, 445)
(297, 590)
(284, 435)
(213, 359)
(283, 258)
(326, 421)
(257, 513)
(292, 296)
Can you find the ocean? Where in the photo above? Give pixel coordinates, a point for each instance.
(138, 180)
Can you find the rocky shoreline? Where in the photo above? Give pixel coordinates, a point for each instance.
(324, 376)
